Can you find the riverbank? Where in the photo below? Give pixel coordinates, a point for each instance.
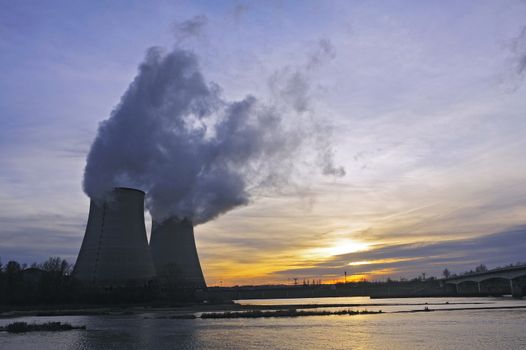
(98, 310)
(182, 311)
(490, 325)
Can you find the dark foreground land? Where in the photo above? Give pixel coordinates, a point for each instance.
(376, 290)
(220, 299)
(235, 310)
(49, 290)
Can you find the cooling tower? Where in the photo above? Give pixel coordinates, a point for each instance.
(174, 254)
(115, 248)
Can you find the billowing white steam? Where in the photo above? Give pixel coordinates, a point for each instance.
(195, 154)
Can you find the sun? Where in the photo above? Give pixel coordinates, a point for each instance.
(339, 247)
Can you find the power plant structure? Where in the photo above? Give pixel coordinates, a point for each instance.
(115, 250)
(174, 253)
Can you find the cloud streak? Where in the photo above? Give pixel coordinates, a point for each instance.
(519, 49)
(191, 28)
(410, 259)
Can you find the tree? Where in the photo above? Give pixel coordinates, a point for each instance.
(13, 275)
(65, 268)
(56, 265)
(12, 268)
(446, 273)
(52, 264)
(481, 268)
(53, 285)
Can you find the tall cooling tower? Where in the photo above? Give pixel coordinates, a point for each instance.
(174, 253)
(115, 248)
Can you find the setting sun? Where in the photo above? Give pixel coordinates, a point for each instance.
(343, 246)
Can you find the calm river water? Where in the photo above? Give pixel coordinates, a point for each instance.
(456, 329)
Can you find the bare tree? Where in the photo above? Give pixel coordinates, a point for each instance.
(57, 265)
(481, 268)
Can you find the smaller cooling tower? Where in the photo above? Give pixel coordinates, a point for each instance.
(115, 248)
(174, 254)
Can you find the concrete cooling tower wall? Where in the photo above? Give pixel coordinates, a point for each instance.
(174, 253)
(115, 248)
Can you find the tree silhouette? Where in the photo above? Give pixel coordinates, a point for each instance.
(481, 268)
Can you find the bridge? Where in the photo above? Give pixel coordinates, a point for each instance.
(507, 280)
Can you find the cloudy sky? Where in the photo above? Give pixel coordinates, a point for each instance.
(422, 103)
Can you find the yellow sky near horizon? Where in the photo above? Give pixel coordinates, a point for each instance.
(275, 240)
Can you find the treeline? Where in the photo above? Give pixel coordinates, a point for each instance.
(480, 269)
(51, 283)
(44, 283)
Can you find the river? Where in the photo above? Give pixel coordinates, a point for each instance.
(468, 328)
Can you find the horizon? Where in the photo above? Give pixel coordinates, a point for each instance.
(300, 281)
(413, 163)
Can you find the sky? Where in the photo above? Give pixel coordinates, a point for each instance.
(423, 104)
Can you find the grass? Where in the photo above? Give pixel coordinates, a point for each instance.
(22, 327)
(175, 317)
(283, 313)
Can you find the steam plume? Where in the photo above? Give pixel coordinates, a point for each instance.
(516, 75)
(193, 27)
(519, 49)
(194, 153)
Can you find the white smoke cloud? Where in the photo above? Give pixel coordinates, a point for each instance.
(239, 10)
(291, 86)
(192, 28)
(324, 51)
(195, 154)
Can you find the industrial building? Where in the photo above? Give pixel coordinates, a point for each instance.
(115, 249)
(174, 254)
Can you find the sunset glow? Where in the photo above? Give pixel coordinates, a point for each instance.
(343, 246)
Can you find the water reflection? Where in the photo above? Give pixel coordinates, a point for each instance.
(480, 329)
